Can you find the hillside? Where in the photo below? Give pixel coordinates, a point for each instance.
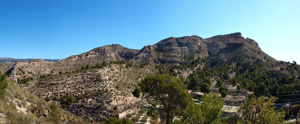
(98, 92)
(98, 84)
(19, 106)
(29, 59)
(183, 50)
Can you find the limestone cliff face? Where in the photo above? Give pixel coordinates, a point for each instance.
(187, 49)
(175, 50)
(227, 46)
(171, 50)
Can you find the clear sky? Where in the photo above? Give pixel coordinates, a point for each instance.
(60, 28)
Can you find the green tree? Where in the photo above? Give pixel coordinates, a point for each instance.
(223, 90)
(261, 89)
(282, 91)
(219, 83)
(169, 91)
(193, 114)
(205, 88)
(234, 82)
(114, 120)
(104, 63)
(295, 94)
(208, 112)
(261, 111)
(283, 80)
(194, 81)
(87, 67)
(207, 81)
(137, 92)
(238, 87)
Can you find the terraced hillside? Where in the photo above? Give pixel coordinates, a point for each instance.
(98, 93)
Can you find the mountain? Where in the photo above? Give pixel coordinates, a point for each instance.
(224, 46)
(29, 59)
(113, 52)
(100, 82)
(182, 50)
(174, 50)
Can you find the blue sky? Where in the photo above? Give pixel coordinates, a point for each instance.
(61, 28)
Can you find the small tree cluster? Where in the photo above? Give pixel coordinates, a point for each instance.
(223, 90)
(169, 92)
(204, 87)
(261, 111)
(208, 112)
(114, 120)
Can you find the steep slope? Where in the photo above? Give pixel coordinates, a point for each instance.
(184, 50)
(5, 66)
(174, 50)
(224, 47)
(108, 53)
(19, 106)
(98, 93)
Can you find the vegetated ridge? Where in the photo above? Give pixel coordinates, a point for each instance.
(98, 84)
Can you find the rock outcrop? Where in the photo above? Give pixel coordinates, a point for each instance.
(172, 50)
(110, 52)
(175, 50)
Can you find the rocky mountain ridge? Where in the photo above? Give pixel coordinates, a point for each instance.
(29, 59)
(182, 50)
(102, 80)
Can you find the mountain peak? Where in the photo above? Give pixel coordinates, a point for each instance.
(236, 34)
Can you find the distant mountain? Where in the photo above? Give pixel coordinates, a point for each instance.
(29, 59)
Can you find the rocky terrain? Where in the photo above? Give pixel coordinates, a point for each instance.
(5, 66)
(20, 106)
(16, 60)
(182, 50)
(99, 93)
(98, 84)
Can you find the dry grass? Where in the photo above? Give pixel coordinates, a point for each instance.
(19, 106)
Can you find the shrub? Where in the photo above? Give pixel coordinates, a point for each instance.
(105, 64)
(142, 111)
(129, 116)
(70, 99)
(219, 83)
(223, 90)
(3, 85)
(55, 114)
(135, 119)
(204, 88)
(136, 92)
